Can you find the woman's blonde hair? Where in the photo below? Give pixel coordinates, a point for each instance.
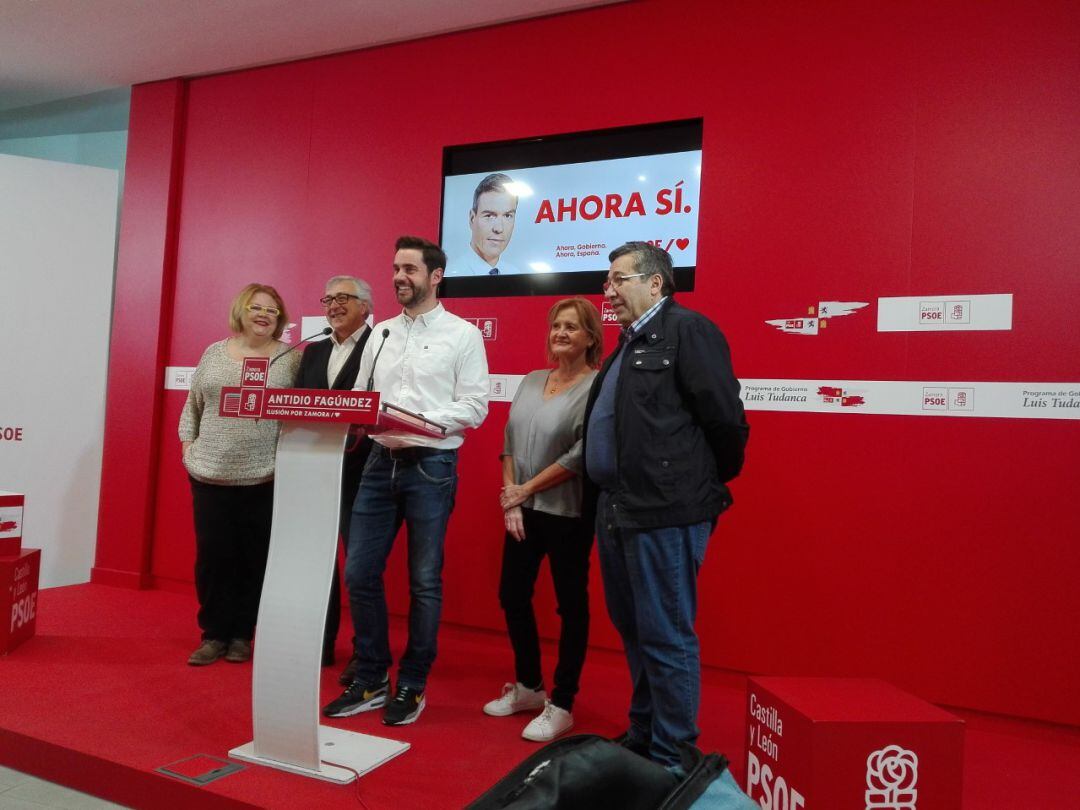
(236, 312)
(590, 322)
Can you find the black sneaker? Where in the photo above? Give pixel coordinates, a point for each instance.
(405, 707)
(630, 744)
(359, 697)
(348, 675)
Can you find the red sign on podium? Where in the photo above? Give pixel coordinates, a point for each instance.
(300, 405)
(256, 370)
(18, 597)
(253, 400)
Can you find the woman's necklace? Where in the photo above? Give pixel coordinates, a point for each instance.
(554, 385)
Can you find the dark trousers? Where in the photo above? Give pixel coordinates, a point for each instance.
(566, 542)
(232, 538)
(650, 584)
(350, 482)
(420, 493)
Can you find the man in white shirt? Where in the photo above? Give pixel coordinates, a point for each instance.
(491, 223)
(333, 364)
(433, 363)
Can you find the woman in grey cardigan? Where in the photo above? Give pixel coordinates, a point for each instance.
(541, 501)
(231, 466)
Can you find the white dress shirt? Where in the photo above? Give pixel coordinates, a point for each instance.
(471, 264)
(434, 365)
(339, 353)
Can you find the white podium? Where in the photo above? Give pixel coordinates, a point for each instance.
(296, 589)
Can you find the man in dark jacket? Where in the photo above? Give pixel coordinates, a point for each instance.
(664, 432)
(333, 364)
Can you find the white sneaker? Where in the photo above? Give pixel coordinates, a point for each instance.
(515, 698)
(549, 724)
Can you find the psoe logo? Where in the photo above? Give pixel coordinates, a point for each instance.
(607, 315)
(252, 402)
(935, 399)
(957, 312)
(255, 371)
(489, 327)
(181, 378)
(891, 775)
(961, 399)
(931, 312)
(769, 789)
(11, 433)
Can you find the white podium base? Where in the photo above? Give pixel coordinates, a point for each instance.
(344, 754)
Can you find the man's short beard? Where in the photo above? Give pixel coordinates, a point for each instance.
(417, 296)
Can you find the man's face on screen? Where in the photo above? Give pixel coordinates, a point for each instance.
(492, 224)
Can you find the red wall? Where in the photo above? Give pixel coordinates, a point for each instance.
(141, 323)
(851, 151)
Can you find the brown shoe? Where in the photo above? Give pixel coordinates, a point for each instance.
(348, 675)
(209, 652)
(239, 651)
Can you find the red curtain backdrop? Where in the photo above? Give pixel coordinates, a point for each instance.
(851, 151)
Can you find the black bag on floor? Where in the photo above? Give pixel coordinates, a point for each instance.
(587, 772)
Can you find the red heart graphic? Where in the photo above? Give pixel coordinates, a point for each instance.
(682, 244)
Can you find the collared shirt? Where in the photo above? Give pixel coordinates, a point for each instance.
(601, 458)
(433, 365)
(643, 319)
(339, 353)
(472, 264)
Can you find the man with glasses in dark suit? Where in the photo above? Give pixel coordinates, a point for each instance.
(664, 433)
(333, 364)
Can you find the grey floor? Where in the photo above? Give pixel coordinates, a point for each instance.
(20, 791)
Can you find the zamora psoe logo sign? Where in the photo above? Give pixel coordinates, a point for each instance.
(891, 774)
(11, 433)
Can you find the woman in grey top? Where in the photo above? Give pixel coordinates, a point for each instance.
(231, 466)
(541, 501)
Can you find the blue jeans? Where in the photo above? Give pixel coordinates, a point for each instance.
(650, 585)
(420, 493)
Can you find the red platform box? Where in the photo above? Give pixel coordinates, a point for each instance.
(18, 598)
(11, 519)
(849, 744)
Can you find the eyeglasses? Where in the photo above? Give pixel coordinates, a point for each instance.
(617, 281)
(340, 298)
(255, 309)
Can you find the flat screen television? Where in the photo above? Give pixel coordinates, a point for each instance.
(539, 216)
